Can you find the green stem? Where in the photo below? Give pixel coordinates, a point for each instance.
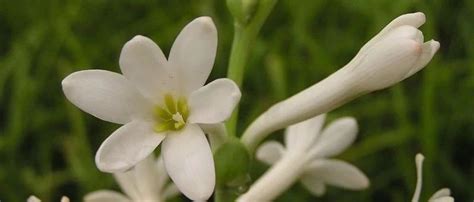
(245, 35)
(238, 60)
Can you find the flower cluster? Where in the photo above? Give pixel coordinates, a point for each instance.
(164, 101)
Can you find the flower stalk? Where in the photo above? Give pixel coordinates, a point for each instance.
(277, 179)
(325, 100)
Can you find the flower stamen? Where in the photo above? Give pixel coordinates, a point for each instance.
(172, 116)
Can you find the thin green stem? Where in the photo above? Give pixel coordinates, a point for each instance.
(238, 60)
(244, 37)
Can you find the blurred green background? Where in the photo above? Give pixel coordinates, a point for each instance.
(47, 145)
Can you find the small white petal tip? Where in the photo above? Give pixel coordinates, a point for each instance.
(434, 45)
(65, 83)
(413, 19)
(349, 121)
(205, 19)
(365, 184)
(206, 22)
(419, 18)
(138, 38)
(33, 199)
(420, 15)
(419, 157)
(65, 199)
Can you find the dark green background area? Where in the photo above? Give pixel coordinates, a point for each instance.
(47, 145)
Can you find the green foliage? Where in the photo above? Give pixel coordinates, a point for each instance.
(47, 145)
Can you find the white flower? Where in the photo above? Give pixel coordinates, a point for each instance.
(442, 195)
(393, 55)
(147, 181)
(306, 157)
(33, 198)
(158, 99)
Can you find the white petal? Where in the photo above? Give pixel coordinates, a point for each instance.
(106, 95)
(147, 179)
(65, 199)
(301, 136)
(270, 152)
(428, 50)
(443, 199)
(337, 173)
(440, 193)
(335, 138)
(105, 196)
(214, 102)
(162, 174)
(33, 199)
(410, 19)
(419, 158)
(384, 65)
(128, 184)
(314, 185)
(127, 146)
(405, 32)
(188, 160)
(216, 133)
(170, 191)
(193, 52)
(144, 64)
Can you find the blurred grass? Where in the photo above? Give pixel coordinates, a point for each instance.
(47, 145)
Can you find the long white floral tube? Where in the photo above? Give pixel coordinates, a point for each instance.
(393, 55)
(276, 180)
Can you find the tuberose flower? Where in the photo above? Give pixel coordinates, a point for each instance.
(159, 99)
(394, 54)
(442, 195)
(147, 181)
(306, 157)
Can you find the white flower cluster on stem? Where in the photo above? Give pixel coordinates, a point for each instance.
(165, 101)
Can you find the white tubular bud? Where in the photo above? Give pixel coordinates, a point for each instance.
(393, 55)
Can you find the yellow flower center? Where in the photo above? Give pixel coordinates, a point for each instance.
(172, 116)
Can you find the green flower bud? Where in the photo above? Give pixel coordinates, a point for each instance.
(232, 162)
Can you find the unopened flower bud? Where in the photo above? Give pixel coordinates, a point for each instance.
(393, 55)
